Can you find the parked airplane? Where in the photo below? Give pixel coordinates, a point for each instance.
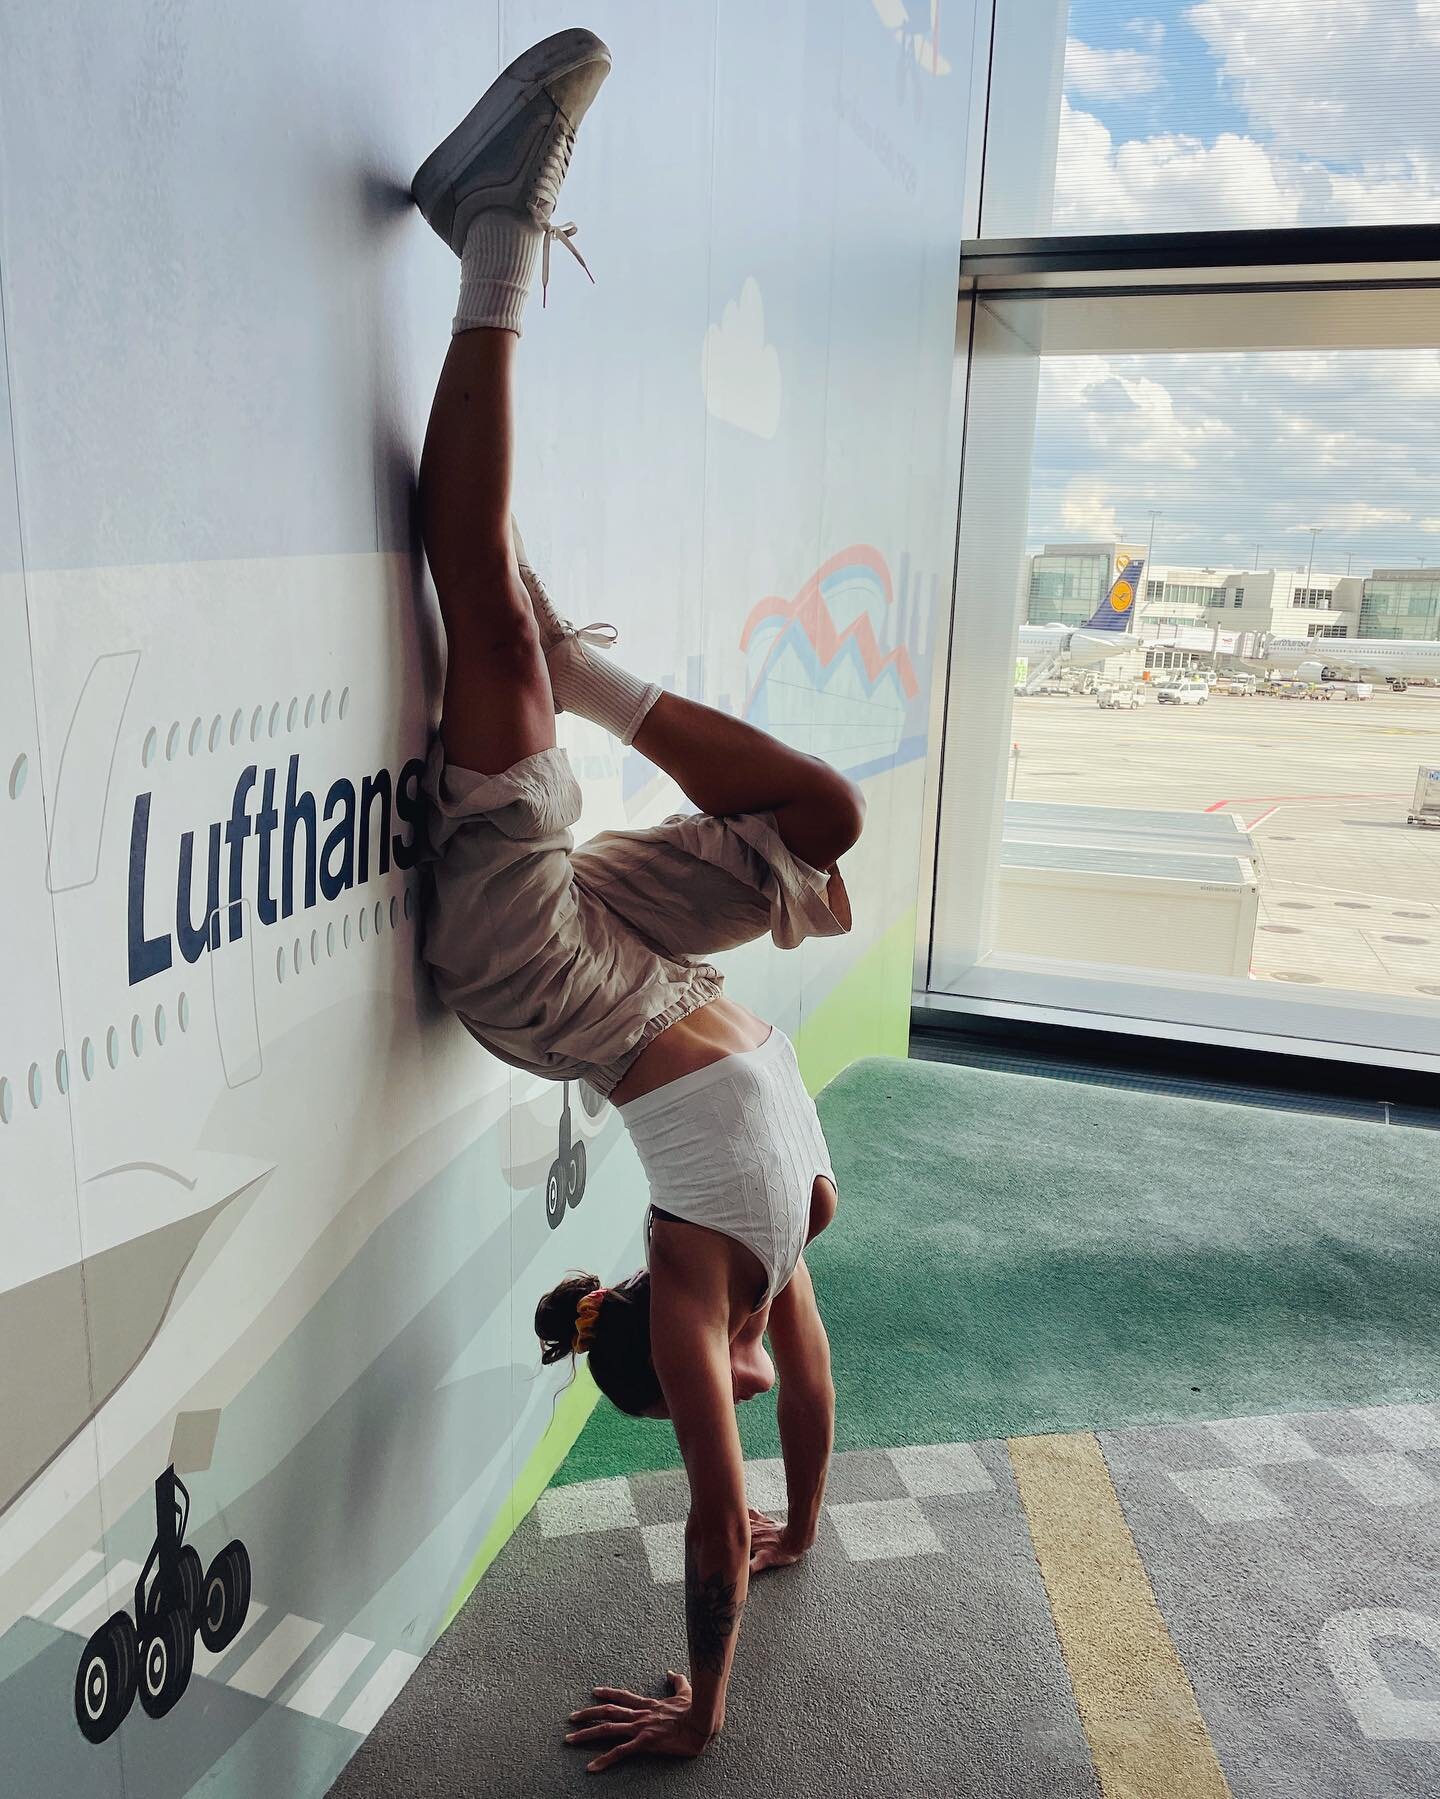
(163, 1177)
(1397, 660)
(1043, 645)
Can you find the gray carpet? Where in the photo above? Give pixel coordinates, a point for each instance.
(1296, 1562)
(931, 1671)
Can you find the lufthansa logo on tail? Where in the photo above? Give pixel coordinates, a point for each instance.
(1122, 596)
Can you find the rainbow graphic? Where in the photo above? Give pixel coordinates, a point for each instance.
(819, 674)
(836, 671)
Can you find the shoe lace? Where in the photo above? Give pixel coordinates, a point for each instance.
(547, 192)
(604, 637)
(560, 234)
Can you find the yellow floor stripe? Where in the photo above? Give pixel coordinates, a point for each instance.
(1136, 1703)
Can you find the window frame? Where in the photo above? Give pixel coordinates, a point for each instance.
(1312, 271)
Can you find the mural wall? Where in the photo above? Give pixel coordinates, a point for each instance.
(272, 1227)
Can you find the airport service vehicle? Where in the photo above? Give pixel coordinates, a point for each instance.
(1241, 685)
(1094, 641)
(1425, 806)
(1119, 699)
(1394, 659)
(1184, 693)
(1347, 690)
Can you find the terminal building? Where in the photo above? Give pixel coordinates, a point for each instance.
(1065, 582)
(1402, 602)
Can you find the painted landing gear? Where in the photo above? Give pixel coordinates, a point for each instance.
(154, 1653)
(565, 1184)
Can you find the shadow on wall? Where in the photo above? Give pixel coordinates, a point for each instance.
(397, 409)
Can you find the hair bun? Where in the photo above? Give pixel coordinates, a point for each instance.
(558, 1315)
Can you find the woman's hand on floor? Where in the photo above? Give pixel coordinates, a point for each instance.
(637, 1725)
(770, 1545)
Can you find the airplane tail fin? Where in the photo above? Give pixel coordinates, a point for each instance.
(1116, 612)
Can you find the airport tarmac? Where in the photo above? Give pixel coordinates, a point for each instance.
(1348, 890)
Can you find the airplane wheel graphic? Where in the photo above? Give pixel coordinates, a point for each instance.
(107, 1678)
(555, 1183)
(575, 1174)
(167, 1657)
(192, 1578)
(226, 1599)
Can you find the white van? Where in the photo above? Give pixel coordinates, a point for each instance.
(1184, 693)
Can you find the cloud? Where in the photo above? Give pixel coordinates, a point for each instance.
(1126, 416)
(1343, 81)
(1235, 449)
(1354, 515)
(1085, 512)
(1165, 183)
(1174, 182)
(1341, 125)
(1109, 74)
(739, 371)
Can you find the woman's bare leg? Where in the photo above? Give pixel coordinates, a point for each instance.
(498, 707)
(725, 765)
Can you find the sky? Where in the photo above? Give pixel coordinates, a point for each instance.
(1204, 114)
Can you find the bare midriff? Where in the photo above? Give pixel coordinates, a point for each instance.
(710, 1032)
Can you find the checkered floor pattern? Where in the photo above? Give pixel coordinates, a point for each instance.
(1239, 1469)
(876, 1505)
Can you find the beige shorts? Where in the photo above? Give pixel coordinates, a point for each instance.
(566, 962)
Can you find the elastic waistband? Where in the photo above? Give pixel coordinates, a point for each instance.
(723, 1070)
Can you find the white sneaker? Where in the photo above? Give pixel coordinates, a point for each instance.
(511, 151)
(554, 629)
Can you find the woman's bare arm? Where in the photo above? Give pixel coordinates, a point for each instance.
(806, 1407)
(690, 1343)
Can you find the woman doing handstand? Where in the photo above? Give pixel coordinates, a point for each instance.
(587, 963)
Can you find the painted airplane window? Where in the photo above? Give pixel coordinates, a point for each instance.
(1237, 774)
(1221, 115)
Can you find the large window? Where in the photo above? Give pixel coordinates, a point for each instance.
(1397, 605)
(1208, 115)
(1202, 797)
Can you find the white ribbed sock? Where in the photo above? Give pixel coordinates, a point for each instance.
(588, 682)
(497, 268)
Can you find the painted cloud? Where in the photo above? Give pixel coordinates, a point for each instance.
(739, 371)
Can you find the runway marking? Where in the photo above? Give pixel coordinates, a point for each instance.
(275, 1657)
(1328, 892)
(379, 1692)
(93, 1609)
(261, 1672)
(1299, 799)
(1146, 1735)
(91, 1559)
(321, 1687)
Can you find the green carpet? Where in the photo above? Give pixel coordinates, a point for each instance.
(1016, 1254)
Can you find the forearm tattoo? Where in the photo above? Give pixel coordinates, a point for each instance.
(711, 1616)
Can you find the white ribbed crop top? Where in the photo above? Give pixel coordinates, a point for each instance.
(736, 1146)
